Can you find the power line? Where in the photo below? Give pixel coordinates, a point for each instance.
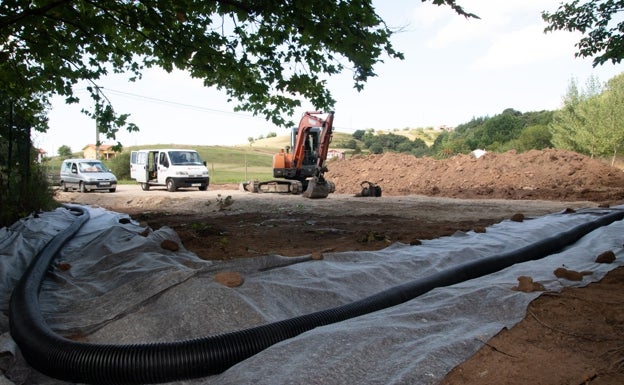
(187, 106)
(178, 104)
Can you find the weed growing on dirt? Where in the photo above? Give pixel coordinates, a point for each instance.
(200, 226)
(223, 242)
(224, 203)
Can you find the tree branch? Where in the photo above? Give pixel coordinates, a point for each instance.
(31, 12)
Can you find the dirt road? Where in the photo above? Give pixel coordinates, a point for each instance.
(130, 198)
(225, 223)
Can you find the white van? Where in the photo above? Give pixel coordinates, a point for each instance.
(173, 168)
(86, 175)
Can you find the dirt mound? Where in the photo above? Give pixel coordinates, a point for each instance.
(545, 174)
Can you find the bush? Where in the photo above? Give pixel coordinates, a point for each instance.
(23, 195)
(351, 144)
(120, 166)
(376, 148)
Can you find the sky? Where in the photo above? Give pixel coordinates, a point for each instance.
(455, 69)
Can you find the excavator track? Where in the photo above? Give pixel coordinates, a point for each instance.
(282, 186)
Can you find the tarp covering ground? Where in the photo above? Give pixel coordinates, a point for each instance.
(115, 283)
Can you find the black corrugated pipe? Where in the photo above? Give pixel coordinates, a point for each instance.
(74, 361)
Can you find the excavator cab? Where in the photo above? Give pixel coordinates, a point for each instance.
(309, 156)
(311, 146)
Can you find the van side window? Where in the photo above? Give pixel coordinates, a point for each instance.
(163, 159)
(141, 158)
(74, 169)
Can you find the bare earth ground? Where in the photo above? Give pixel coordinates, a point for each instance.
(573, 337)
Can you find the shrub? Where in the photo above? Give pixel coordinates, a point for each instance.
(22, 195)
(120, 166)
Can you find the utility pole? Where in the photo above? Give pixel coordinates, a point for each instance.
(97, 139)
(97, 130)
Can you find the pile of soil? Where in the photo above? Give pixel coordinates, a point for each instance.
(547, 174)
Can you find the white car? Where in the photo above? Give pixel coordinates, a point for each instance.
(86, 175)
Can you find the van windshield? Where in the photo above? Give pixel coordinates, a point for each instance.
(92, 167)
(185, 157)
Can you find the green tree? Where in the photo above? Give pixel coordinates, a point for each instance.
(263, 54)
(369, 137)
(64, 152)
(494, 132)
(446, 145)
(536, 118)
(418, 143)
(599, 21)
(392, 141)
(568, 121)
(376, 148)
(610, 115)
(577, 125)
(23, 182)
(358, 134)
(590, 121)
(404, 147)
(501, 128)
(534, 137)
(351, 144)
(120, 165)
(591, 135)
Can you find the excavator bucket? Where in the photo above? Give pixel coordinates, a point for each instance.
(250, 186)
(318, 188)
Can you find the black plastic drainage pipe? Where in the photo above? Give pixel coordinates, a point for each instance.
(74, 361)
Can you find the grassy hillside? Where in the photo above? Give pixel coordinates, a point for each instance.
(428, 135)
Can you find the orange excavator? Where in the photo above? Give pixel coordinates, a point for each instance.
(303, 169)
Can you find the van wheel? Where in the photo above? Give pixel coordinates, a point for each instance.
(63, 187)
(203, 187)
(112, 189)
(171, 187)
(82, 188)
(145, 186)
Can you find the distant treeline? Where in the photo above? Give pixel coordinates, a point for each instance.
(591, 122)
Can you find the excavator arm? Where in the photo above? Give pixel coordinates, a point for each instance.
(318, 186)
(308, 121)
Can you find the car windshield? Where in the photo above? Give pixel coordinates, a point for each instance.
(92, 167)
(185, 157)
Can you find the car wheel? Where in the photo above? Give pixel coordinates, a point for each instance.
(82, 188)
(112, 189)
(203, 187)
(171, 187)
(63, 187)
(144, 186)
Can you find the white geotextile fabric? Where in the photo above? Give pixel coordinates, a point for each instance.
(121, 287)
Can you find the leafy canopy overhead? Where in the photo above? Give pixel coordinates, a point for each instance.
(265, 54)
(601, 23)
